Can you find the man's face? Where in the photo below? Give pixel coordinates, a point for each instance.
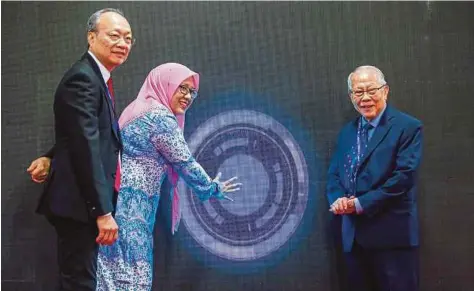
(368, 95)
(112, 40)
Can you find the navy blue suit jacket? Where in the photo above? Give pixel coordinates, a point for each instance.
(385, 183)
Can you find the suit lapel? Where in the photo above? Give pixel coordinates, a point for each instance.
(380, 133)
(349, 157)
(352, 136)
(113, 117)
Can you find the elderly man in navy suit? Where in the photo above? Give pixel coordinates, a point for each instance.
(372, 184)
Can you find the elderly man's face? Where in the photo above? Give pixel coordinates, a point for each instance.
(368, 95)
(112, 40)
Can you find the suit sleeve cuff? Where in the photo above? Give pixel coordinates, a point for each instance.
(358, 207)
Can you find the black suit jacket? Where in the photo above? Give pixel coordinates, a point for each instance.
(81, 181)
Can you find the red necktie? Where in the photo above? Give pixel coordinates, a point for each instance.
(110, 86)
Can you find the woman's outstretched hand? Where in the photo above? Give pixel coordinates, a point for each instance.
(226, 187)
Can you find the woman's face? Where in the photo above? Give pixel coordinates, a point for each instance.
(183, 96)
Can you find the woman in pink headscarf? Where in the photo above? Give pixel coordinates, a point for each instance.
(151, 128)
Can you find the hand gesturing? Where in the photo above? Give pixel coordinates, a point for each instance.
(226, 187)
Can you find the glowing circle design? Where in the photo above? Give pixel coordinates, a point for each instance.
(271, 203)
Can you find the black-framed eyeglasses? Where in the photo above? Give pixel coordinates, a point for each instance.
(371, 92)
(186, 90)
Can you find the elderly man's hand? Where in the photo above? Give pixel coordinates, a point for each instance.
(343, 205)
(108, 230)
(39, 169)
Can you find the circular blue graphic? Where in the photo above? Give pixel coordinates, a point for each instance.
(270, 206)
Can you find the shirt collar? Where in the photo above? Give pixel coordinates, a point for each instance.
(374, 122)
(103, 71)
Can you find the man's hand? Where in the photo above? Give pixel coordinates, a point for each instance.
(343, 205)
(108, 230)
(39, 169)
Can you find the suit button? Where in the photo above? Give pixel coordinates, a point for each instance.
(113, 175)
(117, 152)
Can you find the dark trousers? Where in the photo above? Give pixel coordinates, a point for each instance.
(77, 254)
(382, 270)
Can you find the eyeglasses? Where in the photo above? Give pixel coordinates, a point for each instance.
(371, 92)
(185, 91)
(114, 37)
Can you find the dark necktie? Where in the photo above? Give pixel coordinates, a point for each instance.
(356, 155)
(364, 140)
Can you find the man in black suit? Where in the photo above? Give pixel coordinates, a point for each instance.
(79, 196)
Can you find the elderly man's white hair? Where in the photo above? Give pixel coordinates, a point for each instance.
(378, 72)
(94, 18)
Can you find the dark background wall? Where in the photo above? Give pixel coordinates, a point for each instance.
(293, 55)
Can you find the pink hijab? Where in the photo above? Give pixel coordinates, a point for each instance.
(158, 88)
